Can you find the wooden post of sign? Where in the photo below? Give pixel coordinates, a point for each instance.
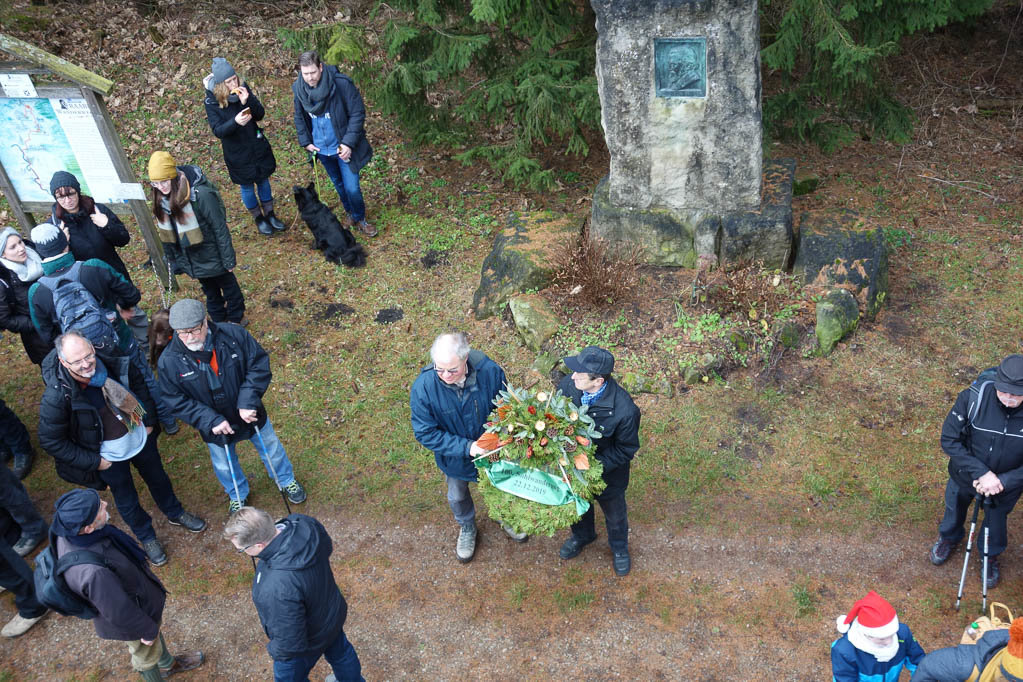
(139, 208)
(24, 219)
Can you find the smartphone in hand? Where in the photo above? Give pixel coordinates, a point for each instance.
(247, 111)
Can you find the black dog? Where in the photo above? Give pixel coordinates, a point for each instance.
(335, 241)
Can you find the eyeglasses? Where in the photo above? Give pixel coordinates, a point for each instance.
(194, 331)
(449, 372)
(65, 195)
(158, 184)
(83, 361)
(241, 550)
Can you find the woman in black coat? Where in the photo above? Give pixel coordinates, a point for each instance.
(233, 110)
(21, 267)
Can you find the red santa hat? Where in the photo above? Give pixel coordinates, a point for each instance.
(875, 617)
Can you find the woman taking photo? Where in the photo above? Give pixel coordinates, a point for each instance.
(193, 230)
(21, 268)
(233, 110)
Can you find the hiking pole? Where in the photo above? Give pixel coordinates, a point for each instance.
(969, 546)
(238, 495)
(987, 508)
(266, 458)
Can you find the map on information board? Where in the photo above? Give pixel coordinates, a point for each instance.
(43, 136)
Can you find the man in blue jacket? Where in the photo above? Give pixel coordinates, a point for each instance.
(450, 401)
(299, 605)
(329, 119)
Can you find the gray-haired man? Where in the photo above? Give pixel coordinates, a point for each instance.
(450, 401)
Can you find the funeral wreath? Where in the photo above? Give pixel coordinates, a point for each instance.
(539, 472)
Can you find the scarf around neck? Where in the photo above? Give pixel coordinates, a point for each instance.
(30, 270)
(184, 230)
(314, 100)
(125, 406)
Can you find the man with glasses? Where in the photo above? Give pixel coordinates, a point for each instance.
(300, 607)
(450, 401)
(214, 377)
(96, 418)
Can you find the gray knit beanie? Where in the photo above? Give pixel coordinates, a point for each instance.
(222, 70)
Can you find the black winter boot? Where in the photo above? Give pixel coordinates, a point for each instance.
(263, 225)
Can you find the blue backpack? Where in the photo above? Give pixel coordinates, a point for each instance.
(76, 308)
(52, 590)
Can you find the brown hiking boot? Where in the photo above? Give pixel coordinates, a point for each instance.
(366, 228)
(189, 661)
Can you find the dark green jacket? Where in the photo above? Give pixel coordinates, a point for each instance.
(215, 255)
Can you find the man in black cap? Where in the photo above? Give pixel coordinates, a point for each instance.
(617, 419)
(126, 595)
(983, 438)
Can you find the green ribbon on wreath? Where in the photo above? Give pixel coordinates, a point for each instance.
(532, 484)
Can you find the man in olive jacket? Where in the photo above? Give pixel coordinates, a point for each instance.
(617, 419)
(300, 606)
(127, 597)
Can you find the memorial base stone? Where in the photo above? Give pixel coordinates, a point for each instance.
(677, 237)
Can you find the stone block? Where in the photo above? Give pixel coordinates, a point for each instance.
(534, 320)
(841, 249)
(837, 315)
(634, 383)
(522, 258)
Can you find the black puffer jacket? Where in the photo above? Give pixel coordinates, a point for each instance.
(991, 441)
(215, 255)
(244, 372)
(90, 241)
(299, 604)
(247, 153)
(71, 429)
(15, 315)
(617, 419)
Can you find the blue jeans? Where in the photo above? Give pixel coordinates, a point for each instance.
(249, 196)
(346, 182)
(274, 459)
(340, 655)
(138, 358)
(126, 497)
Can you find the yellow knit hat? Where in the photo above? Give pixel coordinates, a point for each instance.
(162, 167)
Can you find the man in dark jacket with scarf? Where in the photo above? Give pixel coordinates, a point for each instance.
(214, 377)
(450, 401)
(329, 119)
(983, 438)
(96, 420)
(299, 605)
(617, 419)
(126, 596)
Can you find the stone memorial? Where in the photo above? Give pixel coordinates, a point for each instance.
(679, 84)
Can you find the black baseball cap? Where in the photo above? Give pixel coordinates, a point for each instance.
(592, 359)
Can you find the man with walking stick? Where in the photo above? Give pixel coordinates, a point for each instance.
(214, 377)
(983, 438)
